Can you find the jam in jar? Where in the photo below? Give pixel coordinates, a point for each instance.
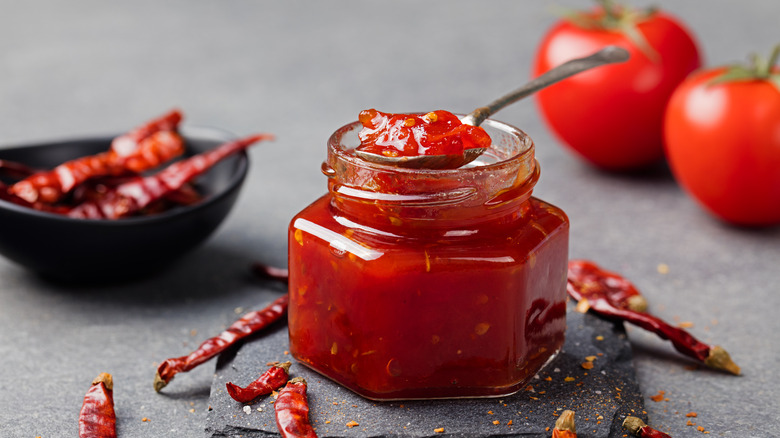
(420, 283)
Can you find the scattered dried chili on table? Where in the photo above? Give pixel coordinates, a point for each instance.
(292, 410)
(637, 427)
(137, 193)
(270, 272)
(97, 418)
(271, 380)
(564, 426)
(249, 324)
(607, 294)
(142, 149)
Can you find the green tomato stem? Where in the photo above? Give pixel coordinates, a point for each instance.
(773, 58)
(609, 9)
(759, 69)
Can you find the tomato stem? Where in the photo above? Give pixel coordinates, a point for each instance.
(773, 58)
(610, 9)
(759, 68)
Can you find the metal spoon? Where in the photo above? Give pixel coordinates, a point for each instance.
(607, 55)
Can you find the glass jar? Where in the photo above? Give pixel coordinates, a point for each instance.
(419, 284)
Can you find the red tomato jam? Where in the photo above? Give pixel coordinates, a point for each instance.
(403, 135)
(419, 284)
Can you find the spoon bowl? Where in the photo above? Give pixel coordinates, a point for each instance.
(451, 161)
(88, 250)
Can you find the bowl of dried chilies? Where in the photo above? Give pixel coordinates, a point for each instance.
(115, 207)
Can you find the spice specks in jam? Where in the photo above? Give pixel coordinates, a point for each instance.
(434, 133)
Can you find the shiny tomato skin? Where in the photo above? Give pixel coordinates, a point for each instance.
(723, 146)
(612, 115)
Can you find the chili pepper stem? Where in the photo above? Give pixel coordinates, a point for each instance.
(566, 422)
(284, 365)
(637, 303)
(720, 359)
(159, 383)
(106, 380)
(633, 424)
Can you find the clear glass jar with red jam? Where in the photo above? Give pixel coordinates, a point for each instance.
(419, 283)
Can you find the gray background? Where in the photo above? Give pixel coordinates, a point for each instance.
(300, 70)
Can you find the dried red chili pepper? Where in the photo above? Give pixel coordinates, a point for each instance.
(249, 324)
(292, 410)
(606, 294)
(97, 418)
(270, 272)
(271, 380)
(564, 426)
(637, 427)
(126, 145)
(7, 196)
(95, 189)
(185, 195)
(142, 149)
(15, 170)
(137, 193)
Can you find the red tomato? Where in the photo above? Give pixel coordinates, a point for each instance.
(723, 145)
(612, 115)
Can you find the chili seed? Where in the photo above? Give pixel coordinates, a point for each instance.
(481, 328)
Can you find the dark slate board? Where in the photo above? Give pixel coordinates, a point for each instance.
(601, 396)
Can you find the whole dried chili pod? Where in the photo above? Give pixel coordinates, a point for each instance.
(137, 193)
(126, 145)
(97, 418)
(249, 324)
(564, 426)
(271, 380)
(270, 272)
(185, 195)
(292, 410)
(96, 188)
(7, 196)
(637, 427)
(142, 149)
(15, 170)
(598, 290)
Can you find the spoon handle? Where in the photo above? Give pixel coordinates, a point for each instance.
(607, 55)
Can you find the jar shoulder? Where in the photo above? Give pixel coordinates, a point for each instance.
(536, 221)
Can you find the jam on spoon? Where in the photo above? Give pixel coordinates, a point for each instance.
(439, 140)
(403, 137)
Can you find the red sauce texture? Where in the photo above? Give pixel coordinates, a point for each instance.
(476, 312)
(404, 135)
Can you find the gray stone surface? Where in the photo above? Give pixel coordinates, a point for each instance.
(301, 69)
(601, 397)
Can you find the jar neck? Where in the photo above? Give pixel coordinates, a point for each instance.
(492, 189)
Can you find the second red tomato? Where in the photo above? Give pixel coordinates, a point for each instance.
(612, 115)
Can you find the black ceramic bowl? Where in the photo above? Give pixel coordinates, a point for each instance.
(89, 249)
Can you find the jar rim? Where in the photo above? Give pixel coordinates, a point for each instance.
(526, 153)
